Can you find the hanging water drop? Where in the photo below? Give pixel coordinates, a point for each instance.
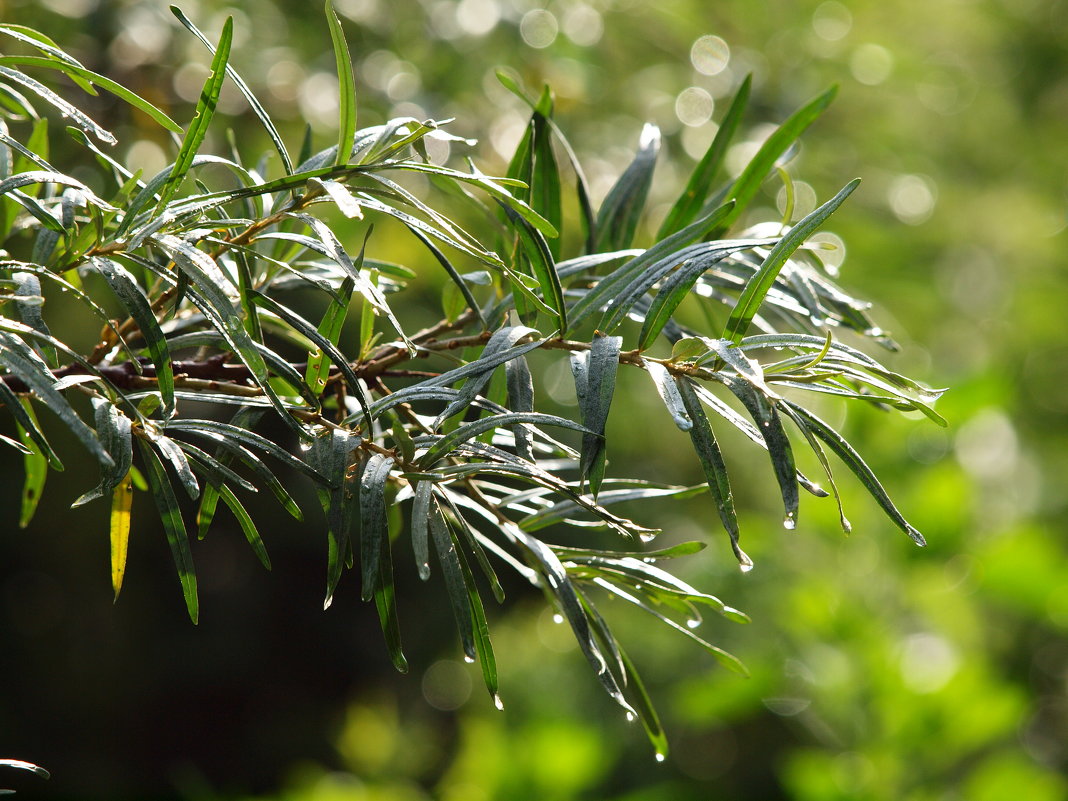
(558, 618)
(660, 757)
(630, 717)
(497, 702)
(648, 537)
(693, 622)
(789, 522)
(469, 659)
(745, 567)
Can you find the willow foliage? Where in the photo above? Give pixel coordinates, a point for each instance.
(443, 422)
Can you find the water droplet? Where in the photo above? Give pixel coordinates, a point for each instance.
(468, 659)
(630, 717)
(660, 757)
(745, 567)
(789, 522)
(497, 702)
(693, 622)
(648, 537)
(649, 560)
(558, 618)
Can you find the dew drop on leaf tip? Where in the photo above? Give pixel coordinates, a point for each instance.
(660, 757)
(469, 659)
(497, 702)
(558, 618)
(630, 717)
(693, 622)
(789, 522)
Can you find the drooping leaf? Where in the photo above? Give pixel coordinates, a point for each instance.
(21, 360)
(374, 533)
(704, 442)
(421, 511)
(449, 558)
(119, 530)
(248, 527)
(138, 307)
(669, 394)
(77, 116)
(173, 525)
(844, 451)
(500, 342)
(28, 424)
(594, 405)
(114, 431)
(330, 455)
(769, 423)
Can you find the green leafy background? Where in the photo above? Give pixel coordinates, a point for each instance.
(879, 671)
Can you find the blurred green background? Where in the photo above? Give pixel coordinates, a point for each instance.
(880, 671)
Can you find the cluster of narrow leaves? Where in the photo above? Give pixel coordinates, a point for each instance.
(443, 422)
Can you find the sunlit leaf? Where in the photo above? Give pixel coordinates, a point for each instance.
(198, 128)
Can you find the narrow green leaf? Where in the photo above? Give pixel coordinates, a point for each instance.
(704, 442)
(479, 625)
(386, 604)
(675, 289)
(346, 87)
(253, 101)
(669, 394)
(78, 117)
(198, 128)
(501, 341)
(769, 423)
(78, 72)
(173, 525)
(618, 217)
(21, 360)
(137, 305)
(449, 558)
(520, 386)
(248, 527)
(600, 387)
(610, 287)
(447, 443)
(330, 455)
(113, 428)
(690, 202)
(756, 289)
(421, 511)
(28, 424)
(537, 252)
(746, 185)
(374, 533)
(227, 435)
(330, 328)
(844, 451)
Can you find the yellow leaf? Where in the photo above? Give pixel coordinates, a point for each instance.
(121, 503)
